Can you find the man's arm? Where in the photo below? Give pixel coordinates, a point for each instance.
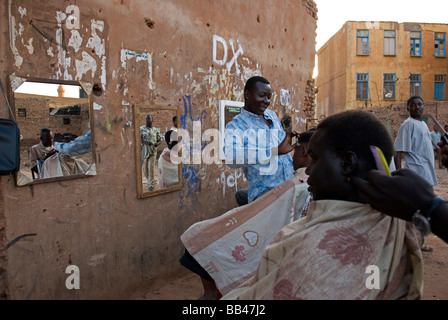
(401, 195)
(397, 160)
(81, 145)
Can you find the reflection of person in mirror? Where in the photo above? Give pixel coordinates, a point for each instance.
(168, 171)
(150, 138)
(174, 127)
(41, 151)
(73, 145)
(63, 161)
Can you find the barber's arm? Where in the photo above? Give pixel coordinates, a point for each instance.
(402, 195)
(285, 146)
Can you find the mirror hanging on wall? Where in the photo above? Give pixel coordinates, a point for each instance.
(156, 135)
(55, 122)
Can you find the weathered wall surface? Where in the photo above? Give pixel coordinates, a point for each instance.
(332, 74)
(189, 54)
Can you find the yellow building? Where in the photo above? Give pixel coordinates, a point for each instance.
(376, 64)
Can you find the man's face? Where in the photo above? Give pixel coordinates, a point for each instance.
(258, 99)
(325, 171)
(149, 121)
(47, 139)
(416, 109)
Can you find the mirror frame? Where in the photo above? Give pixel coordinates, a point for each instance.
(139, 109)
(14, 82)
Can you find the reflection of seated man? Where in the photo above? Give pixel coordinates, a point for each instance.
(168, 171)
(64, 162)
(41, 151)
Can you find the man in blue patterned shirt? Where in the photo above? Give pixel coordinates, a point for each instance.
(76, 147)
(255, 141)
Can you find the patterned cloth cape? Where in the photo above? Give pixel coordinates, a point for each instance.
(340, 250)
(230, 246)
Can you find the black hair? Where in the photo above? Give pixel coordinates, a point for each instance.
(44, 131)
(408, 103)
(306, 136)
(167, 139)
(356, 131)
(250, 84)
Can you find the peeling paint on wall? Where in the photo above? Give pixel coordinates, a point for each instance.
(13, 35)
(127, 55)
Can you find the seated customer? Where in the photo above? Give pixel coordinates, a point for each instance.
(65, 162)
(168, 170)
(224, 251)
(330, 254)
(40, 152)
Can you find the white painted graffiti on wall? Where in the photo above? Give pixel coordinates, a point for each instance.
(80, 48)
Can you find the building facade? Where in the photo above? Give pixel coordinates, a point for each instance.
(369, 65)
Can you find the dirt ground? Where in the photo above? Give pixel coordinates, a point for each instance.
(187, 286)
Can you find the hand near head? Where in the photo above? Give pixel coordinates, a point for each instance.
(399, 195)
(285, 146)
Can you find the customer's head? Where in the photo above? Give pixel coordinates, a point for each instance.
(301, 157)
(171, 138)
(340, 148)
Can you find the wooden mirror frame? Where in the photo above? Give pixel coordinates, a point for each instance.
(140, 111)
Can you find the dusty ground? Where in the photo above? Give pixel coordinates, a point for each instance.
(187, 286)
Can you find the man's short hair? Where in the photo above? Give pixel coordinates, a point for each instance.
(44, 131)
(306, 136)
(250, 84)
(408, 103)
(356, 131)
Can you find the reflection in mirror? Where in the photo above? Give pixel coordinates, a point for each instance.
(156, 135)
(55, 127)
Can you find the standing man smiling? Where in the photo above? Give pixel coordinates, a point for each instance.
(255, 140)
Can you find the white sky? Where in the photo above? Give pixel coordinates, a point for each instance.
(48, 89)
(332, 14)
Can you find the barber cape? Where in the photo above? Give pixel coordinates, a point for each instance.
(61, 164)
(168, 171)
(340, 250)
(230, 246)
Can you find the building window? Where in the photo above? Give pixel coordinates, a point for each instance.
(362, 86)
(362, 42)
(21, 112)
(439, 86)
(439, 44)
(416, 41)
(414, 84)
(389, 86)
(389, 43)
(66, 120)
